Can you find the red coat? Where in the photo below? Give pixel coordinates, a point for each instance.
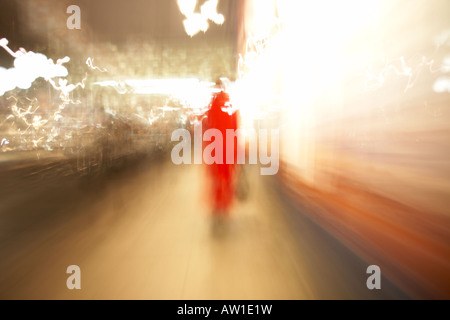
(222, 175)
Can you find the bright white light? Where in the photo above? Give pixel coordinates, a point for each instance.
(442, 85)
(4, 142)
(28, 66)
(187, 7)
(196, 22)
(294, 50)
(191, 92)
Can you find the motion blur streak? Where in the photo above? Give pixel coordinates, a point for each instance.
(365, 137)
(360, 93)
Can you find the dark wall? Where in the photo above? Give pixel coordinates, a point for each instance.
(118, 20)
(9, 18)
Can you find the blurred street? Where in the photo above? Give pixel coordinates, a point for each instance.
(144, 232)
(225, 149)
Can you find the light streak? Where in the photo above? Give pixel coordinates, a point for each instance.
(191, 93)
(65, 88)
(398, 68)
(119, 86)
(168, 109)
(38, 122)
(39, 130)
(20, 113)
(153, 118)
(90, 64)
(36, 142)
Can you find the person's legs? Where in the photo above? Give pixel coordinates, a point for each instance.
(222, 197)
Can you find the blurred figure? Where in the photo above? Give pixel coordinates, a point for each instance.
(222, 176)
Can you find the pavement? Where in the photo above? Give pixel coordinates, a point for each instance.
(145, 231)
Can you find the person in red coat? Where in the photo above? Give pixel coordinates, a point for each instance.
(222, 175)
